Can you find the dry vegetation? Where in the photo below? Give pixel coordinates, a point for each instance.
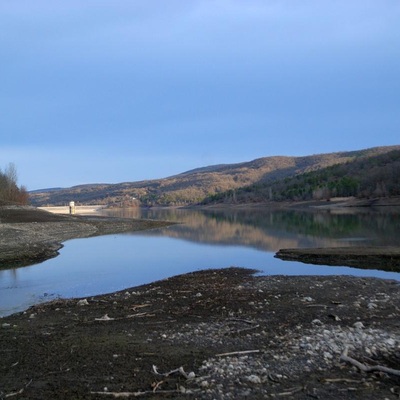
(10, 193)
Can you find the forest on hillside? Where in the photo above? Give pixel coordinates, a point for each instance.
(377, 176)
(10, 192)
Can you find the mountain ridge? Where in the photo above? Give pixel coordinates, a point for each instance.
(193, 186)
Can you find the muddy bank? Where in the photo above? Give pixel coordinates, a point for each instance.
(29, 235)
(383, 258)
(216, 334)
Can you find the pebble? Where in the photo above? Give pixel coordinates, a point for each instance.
(83, 302)
(253, 379)
(315, 346)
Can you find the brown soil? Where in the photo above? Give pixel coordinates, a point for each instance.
(286, 336)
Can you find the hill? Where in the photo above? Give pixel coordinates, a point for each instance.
(376, 176)
(192, 187)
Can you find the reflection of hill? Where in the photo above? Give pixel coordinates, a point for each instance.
(274, 230)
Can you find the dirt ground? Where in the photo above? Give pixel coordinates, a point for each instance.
(213, 334)
(286, 336)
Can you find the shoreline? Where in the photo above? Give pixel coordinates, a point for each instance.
(29, 235)
(336, 203)
(79, 210)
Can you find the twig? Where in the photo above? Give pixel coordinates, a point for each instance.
(133, 394)
(19, 391)
(136, 306)
(242, 320)
(14, 393)
(339, 380)
(235, 353)
(174, 371)
(366, 368)
(290, 392)
(156, 385)
(143, 314)
(317, 305)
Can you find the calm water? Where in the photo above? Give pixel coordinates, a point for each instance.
(86, 267)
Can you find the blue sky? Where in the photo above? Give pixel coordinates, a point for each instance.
(124, 90)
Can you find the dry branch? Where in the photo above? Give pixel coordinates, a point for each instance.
(174, 371)
(18, 392)
(289, 392)
(237, 353)
(241, 320)
(366, 368)
(132, 394)
(105, 317)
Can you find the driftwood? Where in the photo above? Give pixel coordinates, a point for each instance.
(367, 368)
(179, 370)
(132, 394)
(289, 392)
(237, 353)
(19, 391)
(105, 317)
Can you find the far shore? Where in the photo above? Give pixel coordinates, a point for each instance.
(79, 210)
(333, 204)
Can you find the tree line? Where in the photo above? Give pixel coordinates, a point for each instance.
(10, 192)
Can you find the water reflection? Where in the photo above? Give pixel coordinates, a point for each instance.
(203, 239)
(273, 230)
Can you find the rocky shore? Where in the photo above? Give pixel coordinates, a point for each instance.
(216, 334)
(213, 334)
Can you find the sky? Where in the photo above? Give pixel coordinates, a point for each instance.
(97, 91)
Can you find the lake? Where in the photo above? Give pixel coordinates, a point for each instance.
(202, 239)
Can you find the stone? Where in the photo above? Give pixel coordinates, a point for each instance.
(253, 379)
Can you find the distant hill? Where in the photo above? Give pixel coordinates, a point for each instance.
(364, 178)
(46, 190)
(212, 183)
